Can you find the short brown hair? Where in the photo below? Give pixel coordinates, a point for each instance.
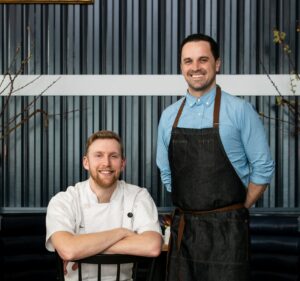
(201, 37)
(104, 135)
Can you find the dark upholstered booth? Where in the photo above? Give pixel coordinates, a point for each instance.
(275, 247)
(22, 249)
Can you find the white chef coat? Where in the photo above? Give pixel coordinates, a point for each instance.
(78, 211)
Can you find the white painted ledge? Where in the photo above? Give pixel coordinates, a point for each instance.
(144, 85)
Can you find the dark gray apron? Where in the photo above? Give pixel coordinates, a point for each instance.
(209, 232)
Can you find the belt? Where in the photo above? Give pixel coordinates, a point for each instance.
(199, 213)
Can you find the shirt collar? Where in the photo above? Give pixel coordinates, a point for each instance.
(206, 99)
(93, 197)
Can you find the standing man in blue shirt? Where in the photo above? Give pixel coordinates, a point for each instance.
(214, 157)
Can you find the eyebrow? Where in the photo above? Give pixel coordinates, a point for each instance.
(185, 59)
(105, 152)
(189, 58)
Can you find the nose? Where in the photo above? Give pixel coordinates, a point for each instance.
(196, 65)
(105, 160)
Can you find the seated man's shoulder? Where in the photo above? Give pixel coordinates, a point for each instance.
(129, 187)
(132, 188)
(70, 193)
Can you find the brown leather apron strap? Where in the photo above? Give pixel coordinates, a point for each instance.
(217, 107)
(179, 114)
(180, 231)
(169, 246)
(218, 210)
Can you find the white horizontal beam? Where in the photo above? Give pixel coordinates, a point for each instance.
(142, 85)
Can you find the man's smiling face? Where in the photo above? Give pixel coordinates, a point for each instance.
(104, 162)
(199, 67)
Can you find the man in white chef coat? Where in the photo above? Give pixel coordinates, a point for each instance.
(102, 214)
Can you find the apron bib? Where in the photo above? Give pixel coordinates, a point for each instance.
(209, 232)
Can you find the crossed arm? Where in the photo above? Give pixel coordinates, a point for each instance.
(117, 241)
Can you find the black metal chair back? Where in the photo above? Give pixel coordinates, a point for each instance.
(116, 259)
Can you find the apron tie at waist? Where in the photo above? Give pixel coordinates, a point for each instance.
(198, 213)
(180, 231)
(223, 209)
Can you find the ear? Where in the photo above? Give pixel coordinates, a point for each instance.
(85, 163)
(123, 164)
(218, 65)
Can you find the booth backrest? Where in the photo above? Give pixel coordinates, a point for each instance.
(275, 248)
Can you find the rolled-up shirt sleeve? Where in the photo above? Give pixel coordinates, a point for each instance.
(162, 158)
(256, 146)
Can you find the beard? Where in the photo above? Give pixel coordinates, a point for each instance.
(203, 86)
(103, 181)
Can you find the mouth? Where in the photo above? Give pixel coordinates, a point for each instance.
(106, 172)
(197, 75)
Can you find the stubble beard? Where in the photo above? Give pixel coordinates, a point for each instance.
(104, 183)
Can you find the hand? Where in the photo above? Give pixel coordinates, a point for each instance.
(74, 267)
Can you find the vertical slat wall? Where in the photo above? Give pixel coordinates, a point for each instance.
(43, 155)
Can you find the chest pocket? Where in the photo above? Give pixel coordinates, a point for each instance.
(179, 154)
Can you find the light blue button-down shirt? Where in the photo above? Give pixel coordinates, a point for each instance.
(241, 131)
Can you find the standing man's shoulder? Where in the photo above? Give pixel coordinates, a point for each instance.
(238, 108)
(237, 102)
(170, 112)
(174, 106)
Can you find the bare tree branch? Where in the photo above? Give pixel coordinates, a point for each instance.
(6, 133)
(33, 102)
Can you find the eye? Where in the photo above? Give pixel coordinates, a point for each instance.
(115, 156)
(187, 61)
(204, 60)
